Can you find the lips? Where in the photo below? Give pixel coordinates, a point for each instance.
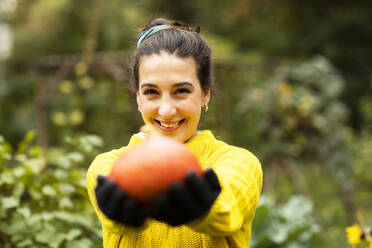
(169, 126)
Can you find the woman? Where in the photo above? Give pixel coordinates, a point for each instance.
(172, 78)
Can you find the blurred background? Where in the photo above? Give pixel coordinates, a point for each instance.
(293, 84)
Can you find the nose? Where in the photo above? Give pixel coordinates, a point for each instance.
(167, 110)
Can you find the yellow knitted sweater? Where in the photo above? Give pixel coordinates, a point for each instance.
(228, 223)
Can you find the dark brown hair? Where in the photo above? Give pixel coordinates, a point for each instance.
(179, 40)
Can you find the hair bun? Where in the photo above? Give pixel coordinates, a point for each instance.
(156, 22)
(162, 21)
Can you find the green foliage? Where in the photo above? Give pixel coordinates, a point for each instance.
(297, 110)
(288, 225)
(295, 123)
(44, 202)
(361, 147)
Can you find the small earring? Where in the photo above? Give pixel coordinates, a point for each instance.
(139, 108)
(205, 108)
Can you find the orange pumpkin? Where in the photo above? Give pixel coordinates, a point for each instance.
(150, 167)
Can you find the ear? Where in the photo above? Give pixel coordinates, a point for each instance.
(206, 96)
(138, 97)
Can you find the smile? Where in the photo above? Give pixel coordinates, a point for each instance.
(169, 126)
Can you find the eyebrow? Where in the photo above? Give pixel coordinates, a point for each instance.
(174, 85)
(148, 85)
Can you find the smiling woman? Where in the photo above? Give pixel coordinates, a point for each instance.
(172, 80)
(170, 97)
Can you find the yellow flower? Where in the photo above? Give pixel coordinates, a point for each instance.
(370, 245)
(354, 234)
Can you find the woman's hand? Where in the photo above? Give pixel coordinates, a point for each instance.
(117, 205)
(189, 201)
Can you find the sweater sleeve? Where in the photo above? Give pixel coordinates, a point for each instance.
(240, 175)
(102, 165)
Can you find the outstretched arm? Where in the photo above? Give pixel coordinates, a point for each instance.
(189, 200)
(240, 176)
(102, 165)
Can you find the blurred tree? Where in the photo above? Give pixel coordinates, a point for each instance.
(294, 121)
(339, 30)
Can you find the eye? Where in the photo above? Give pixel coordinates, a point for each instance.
(150, 92)
(182, 91)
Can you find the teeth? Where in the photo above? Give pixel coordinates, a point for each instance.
(169, 124)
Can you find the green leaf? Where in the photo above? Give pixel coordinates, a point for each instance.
(95, 140)
(36, 164)
(25, 243)
(65, 216)
(49, 191)
(76, 157)
(81, 243)
(5, 151)
(45, 236)
(65, 202)
(9, 202)
(58, 239)
(20, 157)
(25, 212)
(35, 221)
(67, 188)
(64, 162)
(84, 220)
(87, 143)
(19, 190)
(296, 210)
(73, 234)
(6, 178)
(278, 232)
(47, 216)
(21, 148)
(61, 175)
(30, 136)
(16, 226)
(35, 194)
(36, 151)
(70, 140)
(19, 171)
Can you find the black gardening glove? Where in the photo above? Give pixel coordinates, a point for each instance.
(188, 201)
(117, 205)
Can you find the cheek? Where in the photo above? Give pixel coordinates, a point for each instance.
(147, 110)
(147, 105)
(191, 109)
(194, 114)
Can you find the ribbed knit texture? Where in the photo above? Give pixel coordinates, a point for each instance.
(228, 223)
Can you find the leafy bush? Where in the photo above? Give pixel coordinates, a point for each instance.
(296, 123)
(288, 225)
(361, 147)
(298, 113)
(43, 201)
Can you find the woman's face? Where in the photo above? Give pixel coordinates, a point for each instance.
(170, 96)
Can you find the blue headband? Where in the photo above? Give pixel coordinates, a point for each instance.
(151, 31)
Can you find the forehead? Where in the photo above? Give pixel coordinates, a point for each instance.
(167, 68)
